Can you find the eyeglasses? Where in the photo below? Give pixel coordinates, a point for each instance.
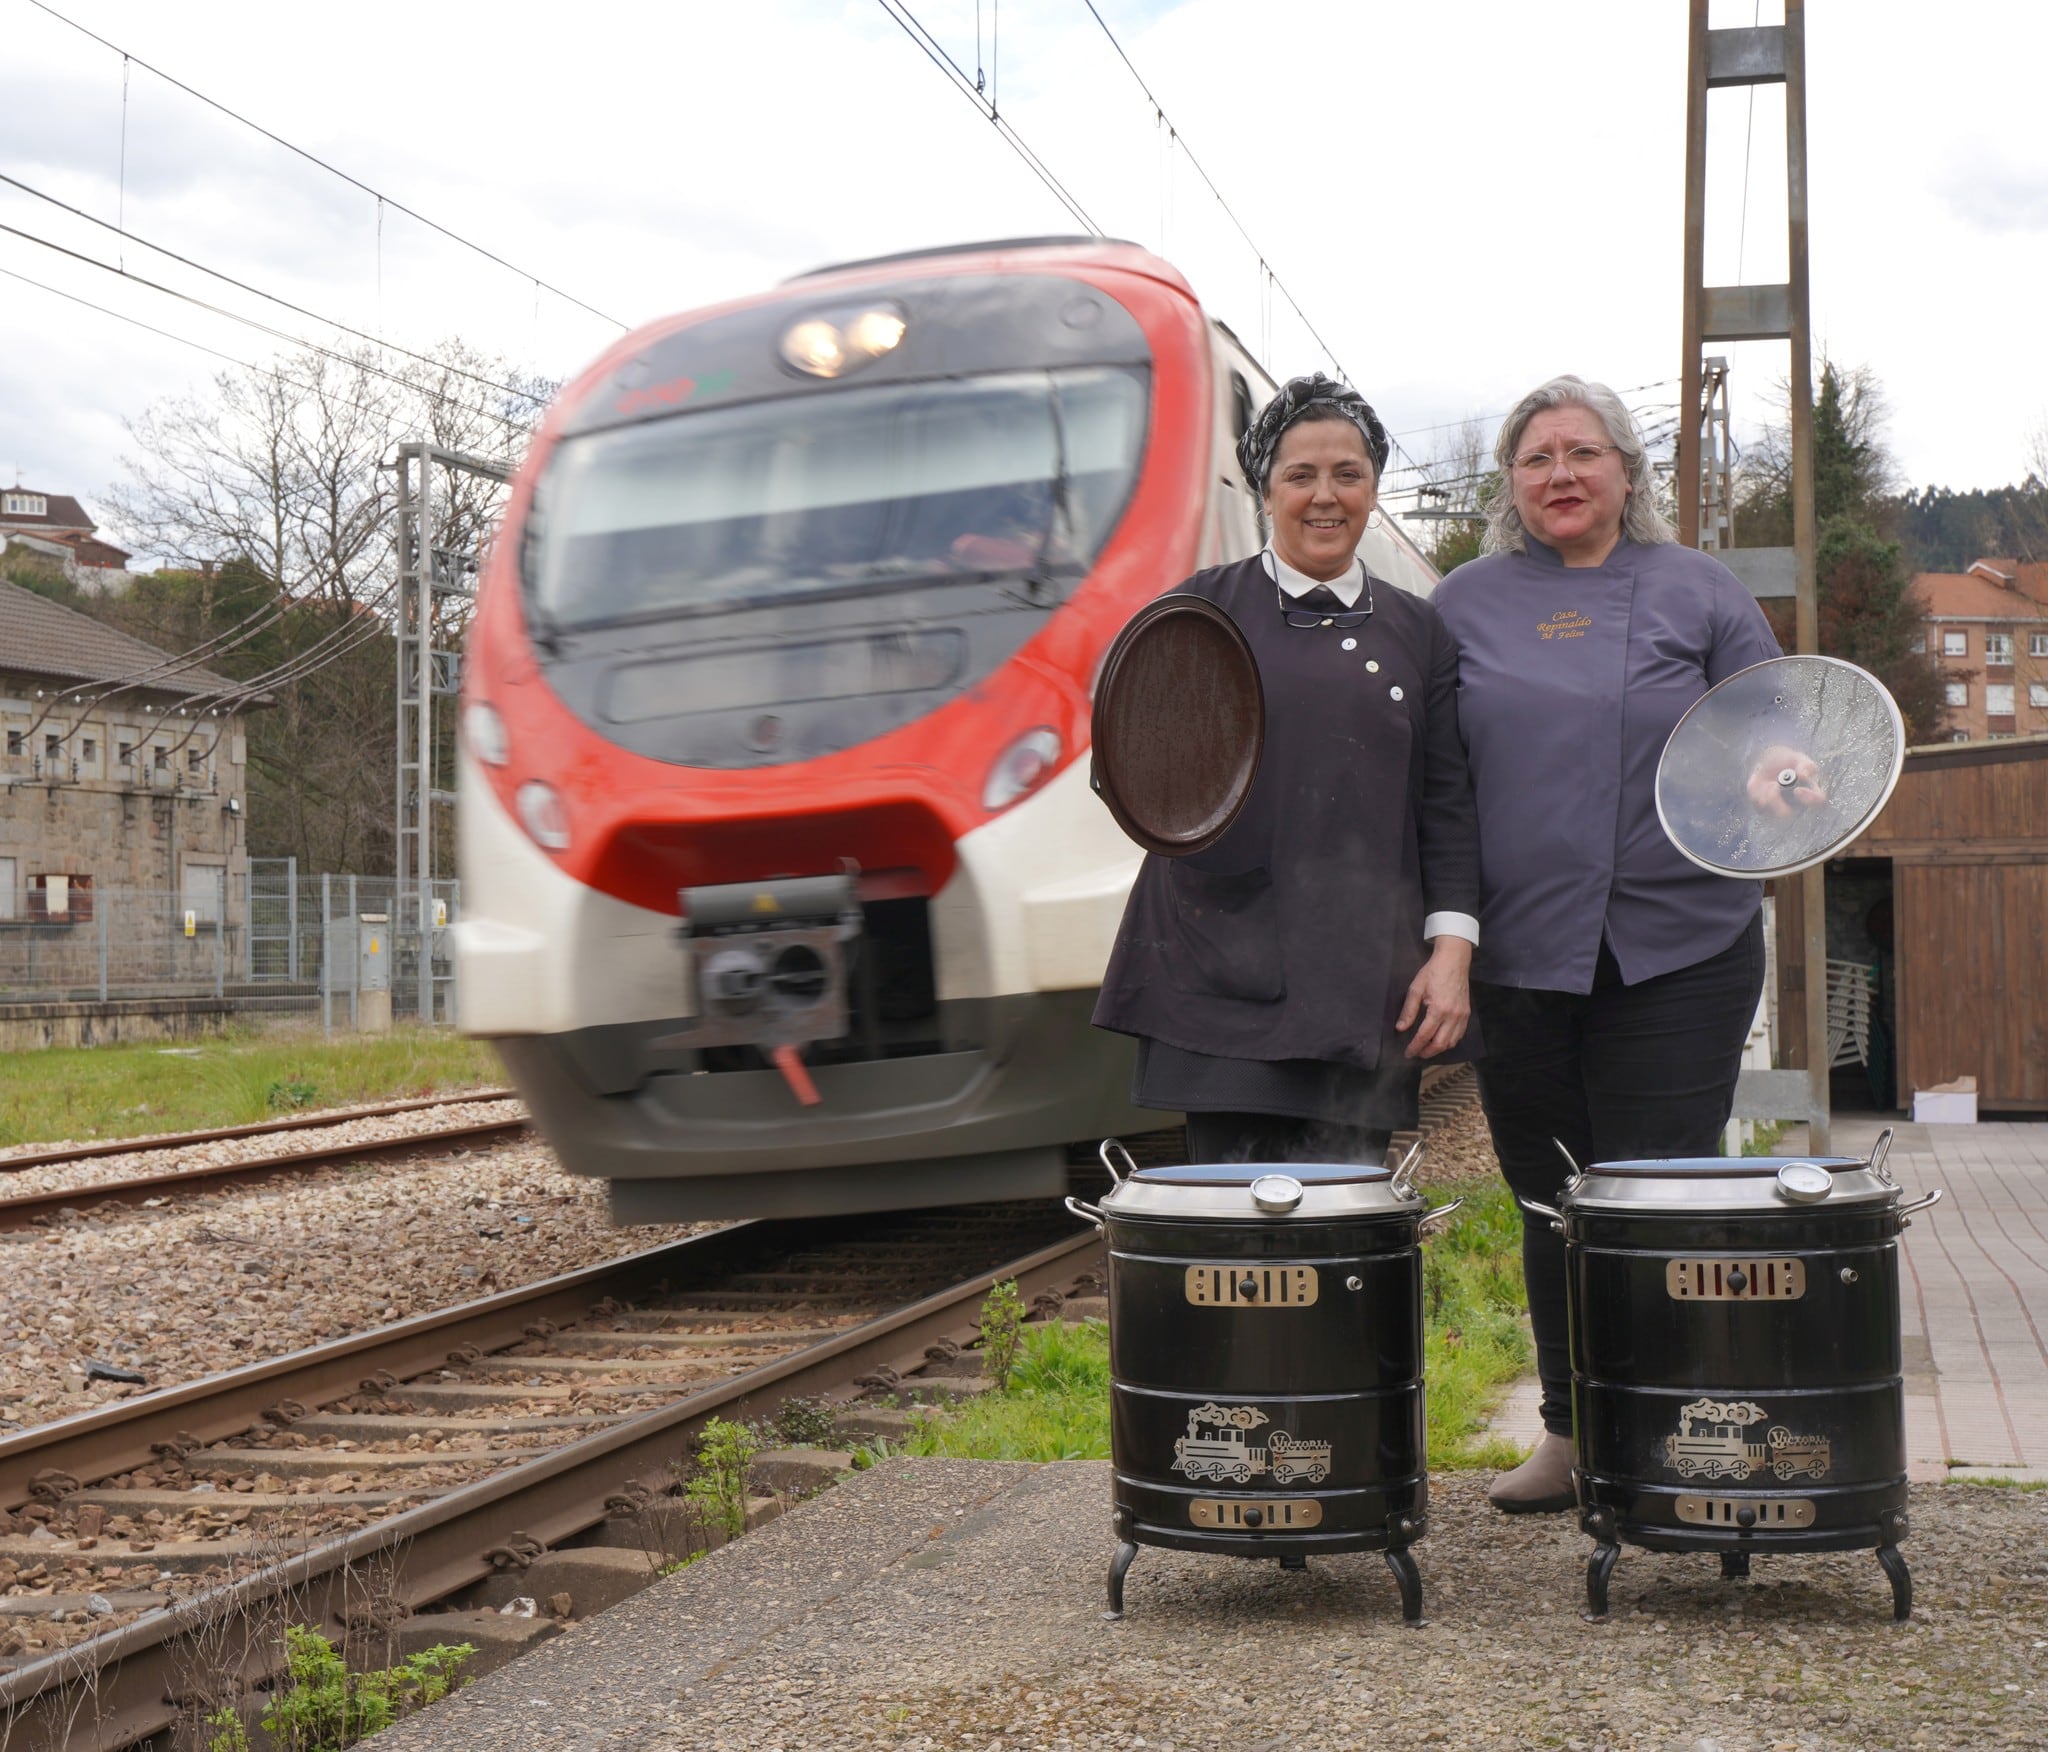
(1316, 617)
(1580, 457)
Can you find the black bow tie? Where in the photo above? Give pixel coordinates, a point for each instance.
(1323, 599)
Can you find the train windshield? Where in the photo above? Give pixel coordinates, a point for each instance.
(1022, 472)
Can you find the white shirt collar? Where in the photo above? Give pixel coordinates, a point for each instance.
(1348, 588)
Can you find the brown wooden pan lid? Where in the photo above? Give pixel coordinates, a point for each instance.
(1180, 724)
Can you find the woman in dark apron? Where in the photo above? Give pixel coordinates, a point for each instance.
(1286, 984)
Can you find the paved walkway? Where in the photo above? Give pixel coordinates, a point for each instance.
(1973, 1300)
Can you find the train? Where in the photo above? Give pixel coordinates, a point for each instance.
(784, 889)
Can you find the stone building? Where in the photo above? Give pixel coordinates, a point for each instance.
(1989, 628)
(121, 775)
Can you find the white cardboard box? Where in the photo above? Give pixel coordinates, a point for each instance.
(1940, 1107)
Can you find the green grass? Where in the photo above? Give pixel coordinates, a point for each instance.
(1056, 1406)
(1475, 1325)
(128, 1091)
(1476, 1341)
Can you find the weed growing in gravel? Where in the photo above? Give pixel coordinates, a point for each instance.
(1002, 1330)
(724, 1451)
(323, 1707)
(804, 1423)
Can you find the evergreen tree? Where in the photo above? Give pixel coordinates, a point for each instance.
(1869, 611)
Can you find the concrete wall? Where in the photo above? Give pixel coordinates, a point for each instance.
(25, 1027)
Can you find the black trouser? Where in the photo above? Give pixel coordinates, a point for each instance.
(1619, 1072)
(1274, 1137)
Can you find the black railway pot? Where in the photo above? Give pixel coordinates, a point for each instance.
(1736, 1362)
(1265, 1330)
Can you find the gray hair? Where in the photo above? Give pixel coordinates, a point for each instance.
(1641, 519)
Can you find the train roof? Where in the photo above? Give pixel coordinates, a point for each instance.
(1072, 240)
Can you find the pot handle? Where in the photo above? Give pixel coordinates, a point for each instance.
(1442, 1210)
(1553, 1216)
(1919, 1204)
(1404, 1171)
(1878, 1152)
(1117, 1144)
(1577, 1174)
(1086, 1212)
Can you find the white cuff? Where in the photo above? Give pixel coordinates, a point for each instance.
(1451, 924)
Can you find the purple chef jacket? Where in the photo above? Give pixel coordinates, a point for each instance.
(1570, 680)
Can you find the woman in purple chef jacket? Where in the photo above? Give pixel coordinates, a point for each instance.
(1614, 983)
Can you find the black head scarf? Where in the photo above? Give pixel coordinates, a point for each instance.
(1255, 449)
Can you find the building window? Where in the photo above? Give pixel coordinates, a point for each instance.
(2001, 735)
(1957, 693)
(1955, 644)
(52, 745)
(1959, 736)
(126, 754)
(2037, 693)
(26, 505)
(163, 758)
(89, 749)
(195, 760)
(9, 875)
(1998, 699)
(1998, 650)
(17, 742)
(2037, 644)
(1918, 644)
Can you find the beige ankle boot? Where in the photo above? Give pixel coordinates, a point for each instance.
(1542, 1484)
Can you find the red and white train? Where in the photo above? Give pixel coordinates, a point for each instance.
(784, 890)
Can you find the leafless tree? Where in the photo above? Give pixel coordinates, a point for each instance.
(284, 469)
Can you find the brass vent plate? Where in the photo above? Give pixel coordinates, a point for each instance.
(1269, 1514)
(1735, 1280)
(1771, 1512)
(1253, 1286)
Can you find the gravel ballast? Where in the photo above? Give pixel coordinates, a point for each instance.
(217, 1279)
(957, 1604)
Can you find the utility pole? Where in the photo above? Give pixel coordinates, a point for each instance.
(1765, 55)
(436, 583)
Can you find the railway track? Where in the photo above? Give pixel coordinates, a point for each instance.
(152, 1551)
(18, 1210)
(160, 1539)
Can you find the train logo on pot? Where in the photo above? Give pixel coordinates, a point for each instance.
(1218, 1446)
(1719, 1439)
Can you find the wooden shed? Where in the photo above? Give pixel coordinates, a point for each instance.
(1964, 846)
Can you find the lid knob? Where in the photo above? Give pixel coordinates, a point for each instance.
(1805, 1182)
(1277, 1193)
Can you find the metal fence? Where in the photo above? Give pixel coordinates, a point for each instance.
(343, 949)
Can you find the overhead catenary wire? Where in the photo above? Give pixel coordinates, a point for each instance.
(908, 23)
(1209, 182)
(333, 170)
(279, 334)
(269, 297)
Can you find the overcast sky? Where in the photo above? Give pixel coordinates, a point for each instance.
(1466, 196)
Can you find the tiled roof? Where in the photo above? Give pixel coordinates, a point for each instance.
(1974, 596)
(41, 637)
(60, 511)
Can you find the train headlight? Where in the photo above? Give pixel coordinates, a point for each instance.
(486, 731)
(1021, 768)
(831, 346)
(542, 815)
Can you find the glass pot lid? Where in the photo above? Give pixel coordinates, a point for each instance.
(1780, 766)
